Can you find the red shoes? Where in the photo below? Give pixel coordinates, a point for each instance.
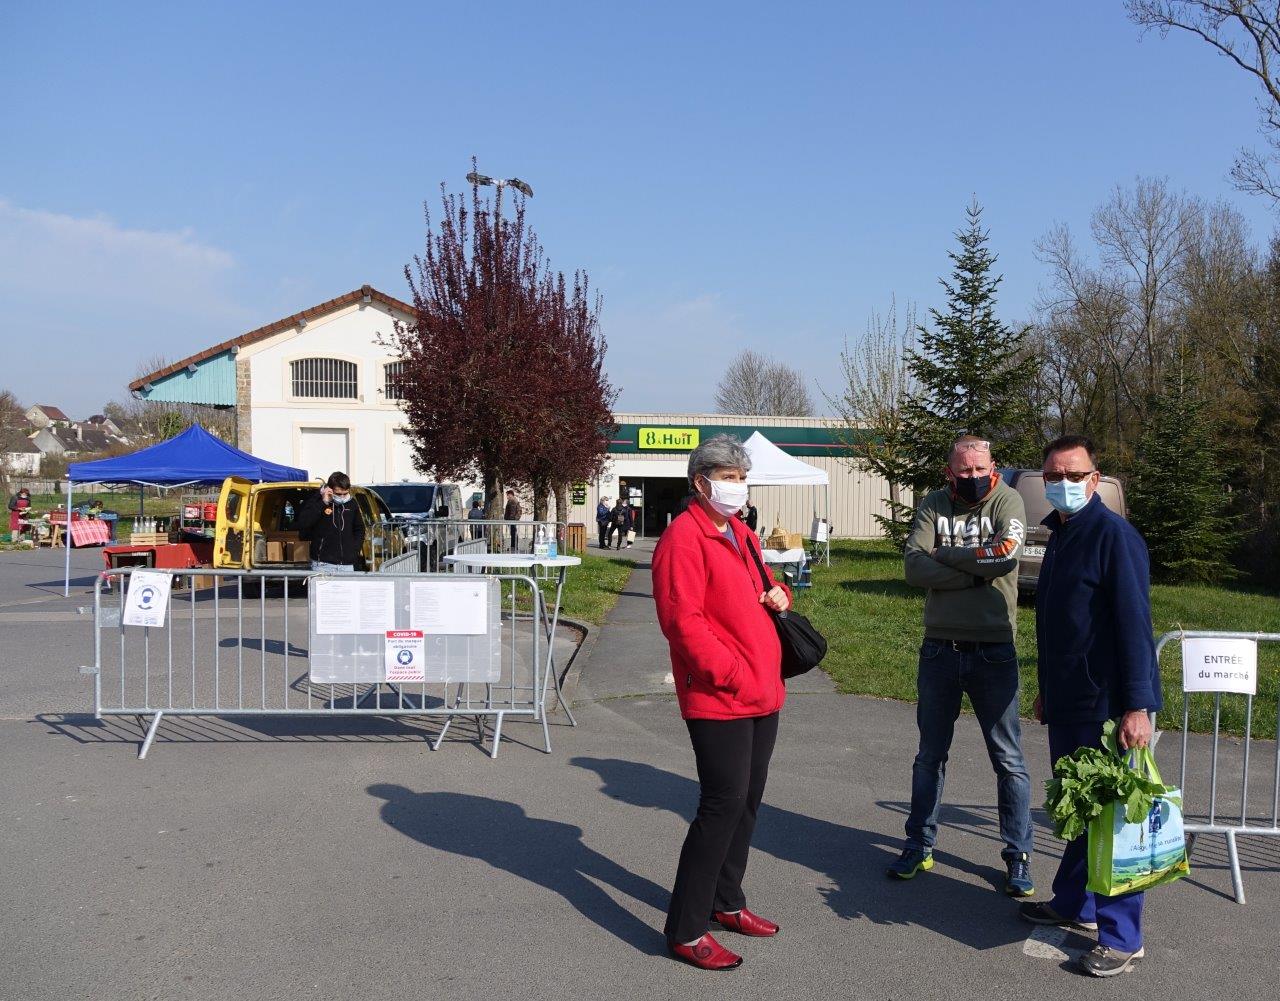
(706, 954)
(745, 923)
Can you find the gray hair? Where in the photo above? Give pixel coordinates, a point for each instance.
(724, 451)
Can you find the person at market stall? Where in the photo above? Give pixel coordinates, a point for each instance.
(602, 521)
(750, 515)
(476, 514)
(19, 505)
(513, 512)
(1097, 662)
(332, 524)
(963, 549)
(715, 608)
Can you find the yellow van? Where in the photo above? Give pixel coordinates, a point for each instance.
(257, 526)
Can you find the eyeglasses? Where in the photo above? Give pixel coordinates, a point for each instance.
(973, 446)
(1073, 475)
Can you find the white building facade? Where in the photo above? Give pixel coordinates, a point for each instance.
(316, 390)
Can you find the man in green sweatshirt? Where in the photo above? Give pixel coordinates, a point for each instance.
(963, 549)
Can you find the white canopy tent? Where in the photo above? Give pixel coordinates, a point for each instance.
(772, 467)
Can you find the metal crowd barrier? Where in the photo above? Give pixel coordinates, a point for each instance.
(230, 648)
(439, 537)
(1228, 827)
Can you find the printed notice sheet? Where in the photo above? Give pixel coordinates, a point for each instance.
(405, 655)
(354, 606)
(148, 598)
(453, 608)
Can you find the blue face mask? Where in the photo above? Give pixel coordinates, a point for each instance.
(1067, 497)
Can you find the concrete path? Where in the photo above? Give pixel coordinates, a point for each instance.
(339, 860)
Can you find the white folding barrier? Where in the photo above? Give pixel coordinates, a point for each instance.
(246, 644)
(1225, 664)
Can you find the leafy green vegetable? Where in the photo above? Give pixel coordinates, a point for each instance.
(1088, 779)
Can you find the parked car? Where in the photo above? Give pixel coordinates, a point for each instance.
(257, 526)
(1030, 484)
(410, 502)
(414, 506)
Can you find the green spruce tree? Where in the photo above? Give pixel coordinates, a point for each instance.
(971, 373)
(1176, 494)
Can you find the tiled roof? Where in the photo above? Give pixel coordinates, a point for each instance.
(315, 312)
(53, 413)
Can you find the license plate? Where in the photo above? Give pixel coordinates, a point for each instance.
(1034, 552)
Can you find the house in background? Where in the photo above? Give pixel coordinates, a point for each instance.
(317, 390)
(41, 415)
(103, 423)
(72, 441)
(19, 455)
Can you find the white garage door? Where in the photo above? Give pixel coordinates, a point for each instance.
(325, 450)
(402, 467)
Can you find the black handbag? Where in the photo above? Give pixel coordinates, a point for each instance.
(803, 647)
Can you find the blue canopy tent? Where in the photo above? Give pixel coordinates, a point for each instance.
(195, 456)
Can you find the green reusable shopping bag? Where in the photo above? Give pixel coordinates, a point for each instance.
(1125, 857)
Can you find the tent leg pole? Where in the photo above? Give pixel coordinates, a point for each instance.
(66, 543)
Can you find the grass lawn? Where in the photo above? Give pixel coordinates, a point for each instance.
(873, 622)
(593, 588)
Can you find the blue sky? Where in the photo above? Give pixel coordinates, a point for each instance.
(731, 174)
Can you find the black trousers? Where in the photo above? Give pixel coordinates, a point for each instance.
(603, 528)
(733, 766)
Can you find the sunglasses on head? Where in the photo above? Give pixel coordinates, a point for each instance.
(973, 446)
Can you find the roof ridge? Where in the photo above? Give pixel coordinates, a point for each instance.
(284, 323)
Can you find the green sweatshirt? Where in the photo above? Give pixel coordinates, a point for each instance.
(966, 555)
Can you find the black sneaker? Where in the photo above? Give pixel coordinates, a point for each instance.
(1017, 880)
(1043, 914)
(910, 862)
(1104, 961)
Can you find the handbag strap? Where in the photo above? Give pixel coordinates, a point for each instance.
(764, 577)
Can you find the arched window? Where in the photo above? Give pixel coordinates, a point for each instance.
(392, 380)
(324, 379)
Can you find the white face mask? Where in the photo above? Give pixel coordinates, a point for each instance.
(727, 497)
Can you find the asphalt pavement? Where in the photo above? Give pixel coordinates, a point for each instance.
(341, 859)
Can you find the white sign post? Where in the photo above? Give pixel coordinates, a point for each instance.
(148, 598)
(406, 654)
(1212, 664)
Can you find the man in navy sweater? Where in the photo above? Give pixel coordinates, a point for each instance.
(1097, 662)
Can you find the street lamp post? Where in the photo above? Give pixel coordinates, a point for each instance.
(484, 180)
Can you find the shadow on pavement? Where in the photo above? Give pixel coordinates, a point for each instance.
(546, 852)
(853, 860)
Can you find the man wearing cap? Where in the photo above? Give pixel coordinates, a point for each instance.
(963, 549)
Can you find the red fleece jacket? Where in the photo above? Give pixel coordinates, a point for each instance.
(725, 654)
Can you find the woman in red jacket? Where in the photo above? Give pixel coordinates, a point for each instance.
(714, 610)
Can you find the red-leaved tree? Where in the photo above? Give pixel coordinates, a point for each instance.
(502, 358)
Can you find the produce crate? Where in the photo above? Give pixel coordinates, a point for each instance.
(149, 539)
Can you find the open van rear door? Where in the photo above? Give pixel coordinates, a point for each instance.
(229, 545)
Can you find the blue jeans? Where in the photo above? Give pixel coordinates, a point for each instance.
(988, 674)
(1119, 918)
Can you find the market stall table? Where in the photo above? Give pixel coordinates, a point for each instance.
(84, 531)
(525, 561)
(789, 557)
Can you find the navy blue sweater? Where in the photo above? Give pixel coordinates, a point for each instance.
(1093, 619)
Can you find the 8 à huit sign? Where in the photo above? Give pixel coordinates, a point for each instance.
(668, 439)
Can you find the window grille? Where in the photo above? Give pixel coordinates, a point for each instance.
(393, 380)
(324, 378)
